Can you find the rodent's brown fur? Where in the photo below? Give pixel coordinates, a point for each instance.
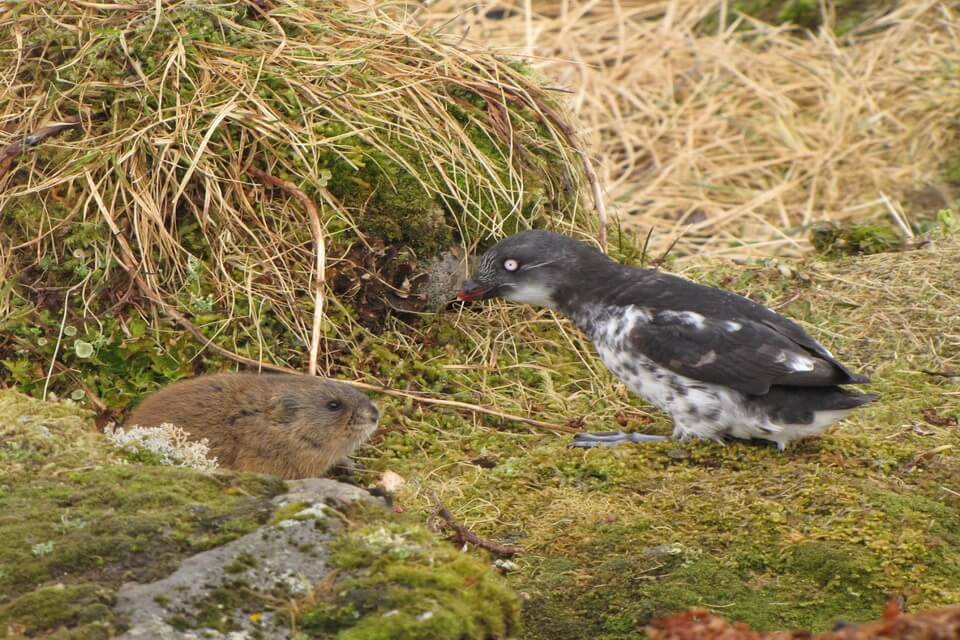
(270, 423)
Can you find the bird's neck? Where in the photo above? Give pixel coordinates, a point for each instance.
(600, 287)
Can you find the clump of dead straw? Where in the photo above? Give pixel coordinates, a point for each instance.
(143, 137)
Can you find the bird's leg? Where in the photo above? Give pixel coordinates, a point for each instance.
(612, 439)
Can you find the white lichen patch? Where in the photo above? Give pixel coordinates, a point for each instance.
(395, 544)
(315, 511)
(167, 445)
(294, 583)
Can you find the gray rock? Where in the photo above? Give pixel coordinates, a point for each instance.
(283, 559)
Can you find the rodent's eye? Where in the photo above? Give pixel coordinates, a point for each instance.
(334, 405)
(510, 264)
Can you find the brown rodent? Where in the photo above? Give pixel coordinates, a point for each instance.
(286, 425)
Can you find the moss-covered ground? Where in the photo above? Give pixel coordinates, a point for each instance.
(406, 586)
(77, 520)
(826, 531)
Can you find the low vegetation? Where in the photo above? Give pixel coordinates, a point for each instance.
(151, 197)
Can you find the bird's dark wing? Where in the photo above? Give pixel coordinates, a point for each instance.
(746, 355)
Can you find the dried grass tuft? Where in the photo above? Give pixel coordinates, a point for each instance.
(155, 127)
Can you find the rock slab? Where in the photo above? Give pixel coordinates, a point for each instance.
(285, 558)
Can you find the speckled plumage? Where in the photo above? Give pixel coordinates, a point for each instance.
(721, 365)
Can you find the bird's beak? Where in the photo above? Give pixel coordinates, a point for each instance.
(473, 291)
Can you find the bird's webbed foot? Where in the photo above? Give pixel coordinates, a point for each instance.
(613, 439)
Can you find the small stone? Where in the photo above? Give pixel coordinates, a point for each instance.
(505, 565)
(391, 481)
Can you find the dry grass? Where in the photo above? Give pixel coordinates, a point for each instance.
(163, 124)
(741, 137)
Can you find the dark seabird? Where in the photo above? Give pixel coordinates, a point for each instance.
(720, 364)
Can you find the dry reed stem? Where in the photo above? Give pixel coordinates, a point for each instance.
(319, 251)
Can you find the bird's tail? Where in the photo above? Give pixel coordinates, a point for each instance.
(797, 405)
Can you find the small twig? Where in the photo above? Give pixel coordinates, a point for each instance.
(659, 261)
(319, 251)
(466, 406)
(56, 348)
(463, 535)
(946, 373)
(646, 244)
(786, 303)
(11, 151)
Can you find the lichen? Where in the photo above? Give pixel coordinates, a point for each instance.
(166, 444)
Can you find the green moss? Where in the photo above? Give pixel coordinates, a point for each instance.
(119, 518)
(242, 562)
(47, 608)
(828, 562)
(807, 14)
(287, 512)
(406, 585)
(836, 239)
(214, 611)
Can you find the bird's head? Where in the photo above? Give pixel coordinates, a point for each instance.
(529, 267)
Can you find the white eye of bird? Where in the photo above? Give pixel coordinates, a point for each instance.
(510, 264)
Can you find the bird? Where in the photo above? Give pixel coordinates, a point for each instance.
(721, 365)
